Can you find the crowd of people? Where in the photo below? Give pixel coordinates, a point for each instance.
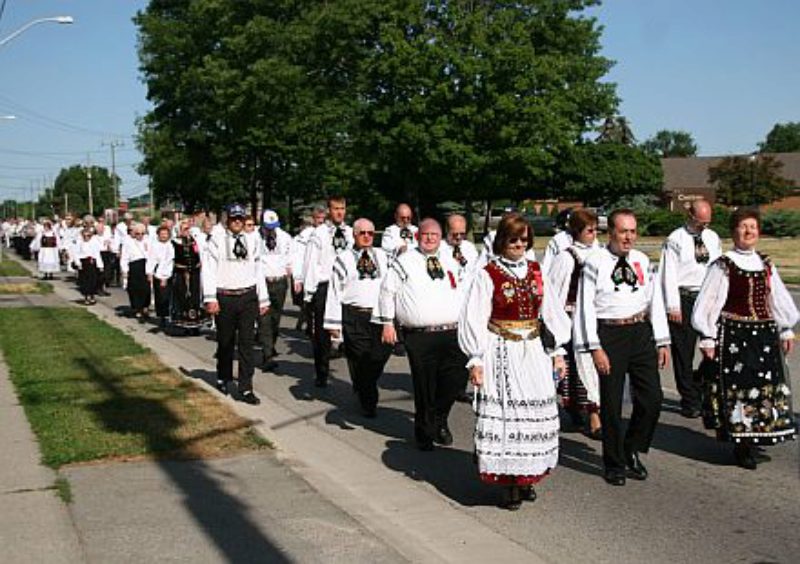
(531, 336)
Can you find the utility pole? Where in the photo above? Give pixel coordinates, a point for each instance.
(33, 207)
(152, 203)
(89, 183)
(66, 203)
(114, 144)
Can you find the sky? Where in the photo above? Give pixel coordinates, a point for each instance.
(724, 70)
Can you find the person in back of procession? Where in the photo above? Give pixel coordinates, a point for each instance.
(352, 295)
(328, 241)
(46, 244)
(89, 263)
(299, 246)
(235, 292)
(276, 246)
(402, 234)
(133, 264)
(580, 390)
(422, 291)
(159, 268)
(516, 428)
(620, 318)
(684, 259)
(745, 316)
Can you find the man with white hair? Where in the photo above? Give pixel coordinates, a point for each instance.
(299, 247)
(352, 295)
(276, 248)
(402, 235)
(423, 293)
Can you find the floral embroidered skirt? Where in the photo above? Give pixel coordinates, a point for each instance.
(746, 397)
(516, 429)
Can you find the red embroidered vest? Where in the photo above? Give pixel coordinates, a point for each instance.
(748, 292)
(516, 299)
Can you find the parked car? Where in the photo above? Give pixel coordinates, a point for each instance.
(542, 224)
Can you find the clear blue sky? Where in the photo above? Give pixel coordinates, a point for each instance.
(724, 70)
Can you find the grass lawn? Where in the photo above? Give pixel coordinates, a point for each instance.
(26, 288)
(12, 268)
(92, 393)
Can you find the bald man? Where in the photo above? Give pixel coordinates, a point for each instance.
(402, 235)
(684, 257)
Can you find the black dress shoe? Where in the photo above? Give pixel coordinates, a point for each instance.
(513, 500)
(321, 382)
(744, 457)
(634, 467)
(269, 366)
(691, 412)
(443, 436)
(528, 493)
(614, 476)
(425, 445)
(250, 398)
(369, 411)
(222, 387)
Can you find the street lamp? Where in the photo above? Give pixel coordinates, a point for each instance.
(8, 117)
(752, 158)
(30, 24)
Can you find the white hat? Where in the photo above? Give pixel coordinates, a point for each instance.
(270, 219)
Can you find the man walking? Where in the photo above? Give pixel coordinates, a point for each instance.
(619, 317)
(684, 258)
(276, 246)
(234, 291)
(402, 234)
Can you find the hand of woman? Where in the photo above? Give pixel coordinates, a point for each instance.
(787, 345)
(560, 367)
(709, 353)
(476, 376)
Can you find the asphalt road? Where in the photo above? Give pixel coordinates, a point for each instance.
(697, 506)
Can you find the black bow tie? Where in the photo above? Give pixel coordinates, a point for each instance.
(339, 240)
(700, 249)
(239, 248)
(434, 267)
(405, 234)
(624, 274)
(366, 267)
(270, 239)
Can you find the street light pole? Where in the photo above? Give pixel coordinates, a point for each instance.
(752, 159)
(30, 24)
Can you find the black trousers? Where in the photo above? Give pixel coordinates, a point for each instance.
(366, 354)
(320, 338)
(109, 261)
(269, 325)
(138, 286)
(161, 296)
(87, 277)
(236, 323)
(684, 341)
(631, 350)
(438, 369)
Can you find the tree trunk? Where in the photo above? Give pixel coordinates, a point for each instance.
(487, 216)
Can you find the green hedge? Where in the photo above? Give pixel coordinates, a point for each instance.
(781, 223)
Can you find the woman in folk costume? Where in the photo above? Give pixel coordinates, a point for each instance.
(516, 432)
(46, 244)
(133, 264)
(159, 268)
(745, 315)
(187, 299)
(89, 264)
(580, 390)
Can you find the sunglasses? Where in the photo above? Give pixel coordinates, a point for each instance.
(515, 240)
(367, 233)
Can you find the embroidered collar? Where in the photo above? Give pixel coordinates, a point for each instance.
(745, 252)
(508, 263)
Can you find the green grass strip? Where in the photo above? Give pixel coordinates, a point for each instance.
(12, 268)
(91, 392)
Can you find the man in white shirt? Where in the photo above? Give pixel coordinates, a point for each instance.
(620, 318)
(276, 247)
(235, 291)
(352, 295)
(299, 247)
(561, 241)
(423, 293)
(684, 259)
(327, 241)
(402, 235)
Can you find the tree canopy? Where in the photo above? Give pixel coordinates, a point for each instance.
(666, 143)
(749, 181)
(782, 138)
(71, 191)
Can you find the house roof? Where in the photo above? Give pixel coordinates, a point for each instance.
(692, 172)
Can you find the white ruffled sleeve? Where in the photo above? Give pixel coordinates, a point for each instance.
(783, 306)
(710, 301)
(560, 276)
(473, 323)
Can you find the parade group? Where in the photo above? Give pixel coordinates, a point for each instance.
(531, 336)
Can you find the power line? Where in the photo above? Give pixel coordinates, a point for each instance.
(23, 110)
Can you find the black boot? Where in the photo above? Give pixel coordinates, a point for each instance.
(513, 500)
(743, 453)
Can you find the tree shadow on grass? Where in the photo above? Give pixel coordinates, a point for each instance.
(224, 519)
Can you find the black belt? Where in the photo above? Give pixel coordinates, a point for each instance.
(357, 308)
(432, 328)
(235, 292)
(276, 278)
(688, 292)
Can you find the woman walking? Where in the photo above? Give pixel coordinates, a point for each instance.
(133, 264)
(159, 268)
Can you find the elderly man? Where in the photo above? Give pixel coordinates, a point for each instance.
(619, 317)
(684, 259)
(234, 291)
(328, 241)
(460, 248)
(299, 247)
(352, 295)
(422, 291)
(402, 235)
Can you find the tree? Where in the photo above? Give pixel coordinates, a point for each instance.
(783, 138)
(666, 143)
(599, 173)
(616, 130)
(72, 182)
(749, 181)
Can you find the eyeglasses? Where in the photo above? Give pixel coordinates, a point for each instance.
(515, 240)
(366, 233)
(404, 217)
(455, 235)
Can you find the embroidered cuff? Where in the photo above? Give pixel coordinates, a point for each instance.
(475, 361)
(333, 325)
(707, 343)
(786, 334)
(663, 342)
(209, 299)
(557, 352)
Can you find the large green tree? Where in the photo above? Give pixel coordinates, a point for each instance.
(71, 191)
(749, 181)
(666, 143)
(782, 138)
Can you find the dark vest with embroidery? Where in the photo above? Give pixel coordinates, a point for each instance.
(186, 255)
(572, 295)
(48, 241)
(515, 298)
(748, 292)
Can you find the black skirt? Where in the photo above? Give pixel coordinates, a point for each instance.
(187, 307)
(138, 286)
(87, 277)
